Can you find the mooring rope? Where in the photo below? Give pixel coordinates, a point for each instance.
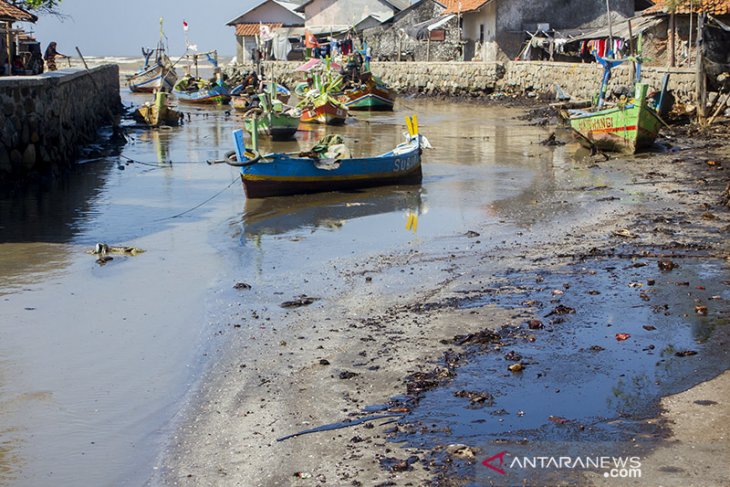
(200, 204)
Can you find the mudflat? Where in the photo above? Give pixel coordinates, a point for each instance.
(596, 326)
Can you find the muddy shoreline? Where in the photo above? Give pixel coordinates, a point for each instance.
(394, 327)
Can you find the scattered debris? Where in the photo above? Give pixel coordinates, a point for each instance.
(518, 367)
(461, 451)
(624, 233)
(622, 336)
(302, 300)
(241, 285)
(476, 398)
(535, 324)
(685, 353)
(558, 419)
(561, 310)
(666, 265)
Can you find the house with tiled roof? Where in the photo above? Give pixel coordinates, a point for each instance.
(421, 32)
(495, 30)
(268, 18)
(9, 14)
(712, 7)
(673, 42)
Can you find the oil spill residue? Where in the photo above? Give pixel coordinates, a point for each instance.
(583, 365)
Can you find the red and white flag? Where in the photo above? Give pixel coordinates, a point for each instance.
(185, 26)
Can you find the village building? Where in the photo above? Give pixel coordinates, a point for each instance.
(495, 30)
(332, 17)
(14, 44)
(421, 32)
(680, 26)
(272, 18)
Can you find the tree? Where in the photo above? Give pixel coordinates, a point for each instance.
(45, 6)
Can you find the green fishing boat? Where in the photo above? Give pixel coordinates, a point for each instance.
(279, 126)
(273, 118)
(626, 127)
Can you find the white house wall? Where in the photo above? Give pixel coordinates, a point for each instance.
(339, 12)
(486, 16)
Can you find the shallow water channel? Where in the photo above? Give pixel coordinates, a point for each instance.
(96, 360)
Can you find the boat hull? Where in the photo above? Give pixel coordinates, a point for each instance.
(370, 99)
(152, 79)
(329, 114)
(282, 174)
(216, 95)
(625, 129)
(277, 126)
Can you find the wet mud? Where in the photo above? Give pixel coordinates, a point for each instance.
(553, 325)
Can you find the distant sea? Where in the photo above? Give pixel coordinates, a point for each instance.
(130, 64)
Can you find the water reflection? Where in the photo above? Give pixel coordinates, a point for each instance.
(277, 216)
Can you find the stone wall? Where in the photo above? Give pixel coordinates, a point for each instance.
(580, 81)
(46, 119)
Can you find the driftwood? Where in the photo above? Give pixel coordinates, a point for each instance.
(343, 424)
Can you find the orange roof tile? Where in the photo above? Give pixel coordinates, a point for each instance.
(9, 12)
(252, 29)
(714, 7)
(452, 6)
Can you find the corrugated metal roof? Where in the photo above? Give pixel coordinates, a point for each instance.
(453, 6)
(620, 30)
(9, 12)
(714, 7)
(253, 29)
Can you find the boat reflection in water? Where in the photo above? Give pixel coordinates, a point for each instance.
(287, 214)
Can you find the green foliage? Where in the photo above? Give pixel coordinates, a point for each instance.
(38, 5)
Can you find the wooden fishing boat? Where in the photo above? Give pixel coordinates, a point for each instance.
(196, 90)
(370, 96)
(281, 174)
(329, 113)
(279, 126)
(157, 77)
(624, 128)
(215, 94)
(154, 76)
(158, 113)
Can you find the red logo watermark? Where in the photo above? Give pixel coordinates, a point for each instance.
(500, 456)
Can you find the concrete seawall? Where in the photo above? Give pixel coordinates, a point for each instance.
(46, 119)
(580, 81)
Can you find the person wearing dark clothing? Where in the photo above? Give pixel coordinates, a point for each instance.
(51, 55)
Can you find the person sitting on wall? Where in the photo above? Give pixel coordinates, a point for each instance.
(18, 66)
(51, 55)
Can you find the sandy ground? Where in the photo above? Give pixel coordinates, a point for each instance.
(390, 317)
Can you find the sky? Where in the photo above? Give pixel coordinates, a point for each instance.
(122, 27)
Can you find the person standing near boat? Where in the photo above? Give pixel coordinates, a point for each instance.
(50, 56)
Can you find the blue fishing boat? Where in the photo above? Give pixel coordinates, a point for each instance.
(194, 89)
(327, 167)
(216, 94)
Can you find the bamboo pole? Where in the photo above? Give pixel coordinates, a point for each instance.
(8, 40)
(700, 76)
(610, 25)
(689, 43)
(671, 48)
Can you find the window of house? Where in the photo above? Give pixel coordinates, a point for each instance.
(437, 35)
(481, 33)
